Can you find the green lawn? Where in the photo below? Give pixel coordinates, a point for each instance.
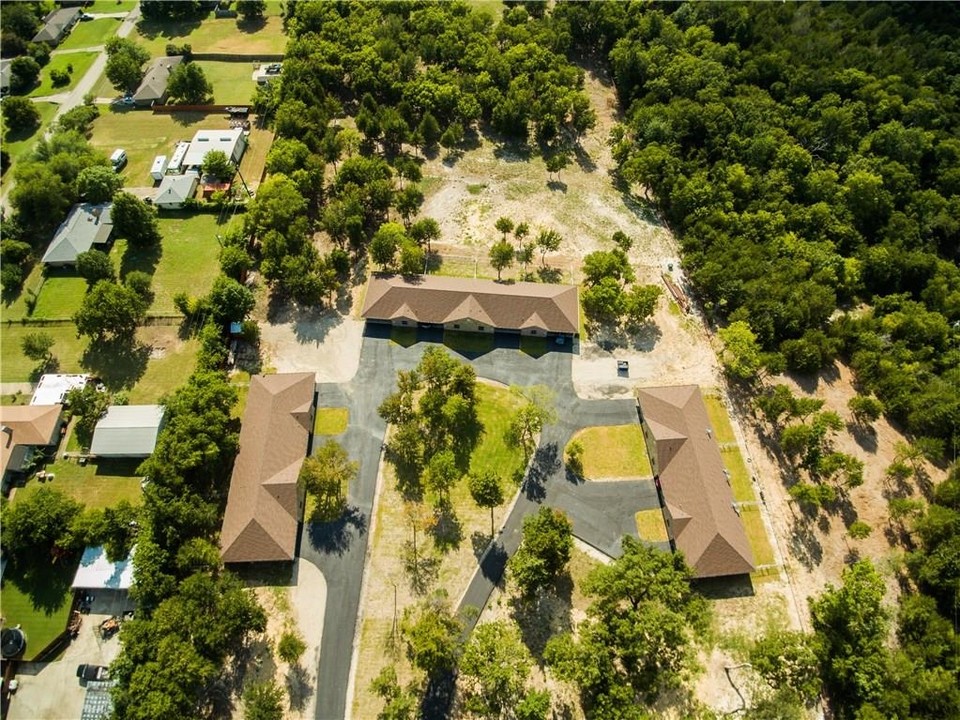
(111, 6)
(80, 62)
(614, 451)
(19, 144)
(403, 336)
(495, 408)
(215, 35)
(38, 599)
(60, 295)
(722, 430)
(232, 81)
(97, 484)
(739, 475)
(90, 34)
(145, 135)
(187, 260)
(165, 374)
(757, 535)
(650, 526)
(331, 421)
(16, 367)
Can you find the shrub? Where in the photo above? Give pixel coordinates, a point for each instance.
(59, 78)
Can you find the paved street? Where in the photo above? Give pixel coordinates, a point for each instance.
(601, 512)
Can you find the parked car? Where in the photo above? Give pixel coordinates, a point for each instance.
(93, 672)
(118, 159)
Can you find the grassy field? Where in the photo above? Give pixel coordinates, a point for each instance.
(213, 35)
(614, 451)
(757, 535)
(165, 374)
(90, 34)
(97, 484)
(38, 600)
(111, 6)
(60, 295)
(232, 81)
(79, 61)
(16, 367)
(20, 143)
(739, 475)
(331, 421)
(255, 156)
(145, 135)
(187, 261)
(722, 430)
(495, 408)
(650, 526)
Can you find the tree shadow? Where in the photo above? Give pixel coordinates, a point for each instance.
(422, 569)
(546, 462)
(144, 259)
(543, 617)
(438, 696)
(494, 563)
(118, 363)
(251, 25)
(168, 29)
(298, 687)
(557, 185)
(864, 435)
(45, 583)
(335, 537)
(479, 541)
(583, 159)
(642, 208)
(447, 530)
(804, 545)
(548, 274)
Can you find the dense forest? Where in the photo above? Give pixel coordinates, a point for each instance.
(807, 156)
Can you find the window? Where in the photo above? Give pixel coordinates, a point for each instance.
(403, 322)
(456, 327)
(481, 328)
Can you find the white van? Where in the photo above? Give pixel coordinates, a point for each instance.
(118, 159)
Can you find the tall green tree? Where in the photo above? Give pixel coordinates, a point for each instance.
(486, 491)
(544, 551)
(432, 636)
(494, 669)
(110, 312)
(135, 220)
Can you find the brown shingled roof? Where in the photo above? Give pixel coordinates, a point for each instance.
(508, 306)
(26, 425)
(263, 507)
(699, 501)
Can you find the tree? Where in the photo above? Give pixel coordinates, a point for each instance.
(24, 71)
(851, 625)
(429, 130)
(530, 418)
(425, 230)
(87, 405)
(544, 551)
(135, 220)
(788, 660)
(639, 304)
(623, 241)
(557, 162)
(432, 634)
(486, 491)
(125, 61)
(412, 258)
(188, 85)
(37, 346)
(452, 136)
(98, 183)
(38, 523)
(504, 225)
(263, 701)
(385, 243)
(741, 355)
(602, 264)
(637, 637)
(495, 667)
(399, 704)
(229, 301)
(291, 647)
(110, 312)
(501, 256)
(859, 530)
(548, 241)
(216, 164)
(327, 475)
(251, 9)
(408, 202)
(94, 266)
(234, 262)
(442, 474)
(20, 114)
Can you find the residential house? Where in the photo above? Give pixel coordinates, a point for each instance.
(153, 87)
(702, 520)
(57, 25)
(127, 431)
(473, 305)
(24, 429)
(231, 142)
(86, 226)
(265, 502)
(52, 388)
(175, 190)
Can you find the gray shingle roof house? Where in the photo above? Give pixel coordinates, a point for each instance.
(57, 25)
(473, 305)
(127, 431)
(23, 428)
(153, 87)
(698, 503)
(86, 225)
(174, 190)
(265, 501)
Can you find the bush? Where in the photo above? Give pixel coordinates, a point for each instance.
(250, 332)
(59, 78)
(11, 277)
(173, 49)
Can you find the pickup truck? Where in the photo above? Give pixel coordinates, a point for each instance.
(93, 672)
